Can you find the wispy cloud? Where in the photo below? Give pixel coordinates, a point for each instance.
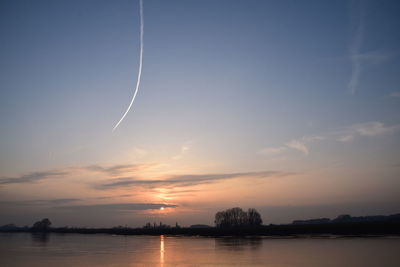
(373, 128)
(184, 149)
(118, 207)
(395, 94)
(346, 134)
(58, 201)
(32, 177)
(345, 138)
(127, 176)
(112, 197)
(190, 179)
(298, 145)
(117, 170)
(40, 202)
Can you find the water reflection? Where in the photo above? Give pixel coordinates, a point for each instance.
(238, 243)
(40, 238)
(162, 250)
(23, 249)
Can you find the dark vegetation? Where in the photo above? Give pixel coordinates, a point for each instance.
(236, 217)
(236, 222)
(41, 226)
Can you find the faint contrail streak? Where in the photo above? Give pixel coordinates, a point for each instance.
(140, 64)
(355, 50)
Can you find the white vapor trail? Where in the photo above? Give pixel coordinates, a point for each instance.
(140, 65)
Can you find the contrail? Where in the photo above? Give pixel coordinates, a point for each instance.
(140, 64)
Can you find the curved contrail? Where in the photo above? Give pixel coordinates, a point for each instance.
(140, 64)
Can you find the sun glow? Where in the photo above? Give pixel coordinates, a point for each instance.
(162, 208)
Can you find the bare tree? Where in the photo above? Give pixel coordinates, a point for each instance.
(236, 217)
(253, 217)
(42, 225)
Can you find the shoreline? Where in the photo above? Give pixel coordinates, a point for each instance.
(364, 229)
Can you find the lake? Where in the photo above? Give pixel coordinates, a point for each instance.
(25, 249)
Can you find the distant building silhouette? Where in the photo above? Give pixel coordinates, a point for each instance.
(200, 226)
(346, 218)
(312, 221)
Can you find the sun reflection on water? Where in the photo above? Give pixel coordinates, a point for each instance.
(162, 250)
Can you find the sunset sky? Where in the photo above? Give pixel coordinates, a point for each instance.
(290, 107)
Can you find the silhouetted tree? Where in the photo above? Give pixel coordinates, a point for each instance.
(253, 217)
(42, 225)
(236, 217)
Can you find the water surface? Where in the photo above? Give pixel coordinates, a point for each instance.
(24, 249)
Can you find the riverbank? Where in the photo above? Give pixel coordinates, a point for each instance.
(342, 229)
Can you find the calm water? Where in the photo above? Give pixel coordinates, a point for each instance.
(25, 249)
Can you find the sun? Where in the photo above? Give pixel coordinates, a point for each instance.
(162, 208)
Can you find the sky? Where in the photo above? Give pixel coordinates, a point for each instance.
(289, 107)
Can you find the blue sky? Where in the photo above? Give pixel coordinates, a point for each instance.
(309, 88)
